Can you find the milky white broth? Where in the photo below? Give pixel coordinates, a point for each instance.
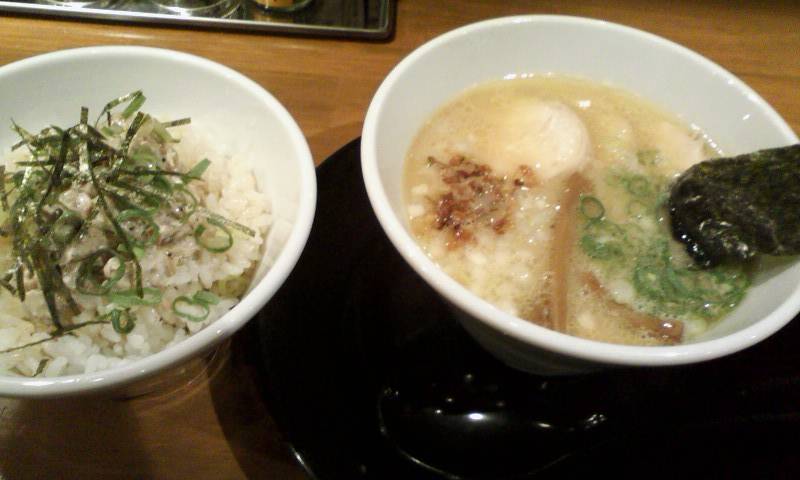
(526, 138)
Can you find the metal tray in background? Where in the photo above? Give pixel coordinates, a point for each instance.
(358, 19)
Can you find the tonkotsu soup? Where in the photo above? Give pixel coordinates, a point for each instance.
(545, 196)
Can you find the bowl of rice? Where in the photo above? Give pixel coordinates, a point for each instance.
(152, 202)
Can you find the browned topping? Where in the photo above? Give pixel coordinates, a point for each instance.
(525, 177)
(476, 198)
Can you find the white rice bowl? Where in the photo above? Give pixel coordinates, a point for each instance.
(261, 175)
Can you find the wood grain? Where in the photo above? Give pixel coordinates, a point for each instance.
(214, 424)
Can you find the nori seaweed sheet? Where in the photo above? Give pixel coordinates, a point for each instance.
(729, 209)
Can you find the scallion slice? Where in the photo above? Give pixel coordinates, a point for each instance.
(129, 298)
(591, 207)
(136, 218)
(136, 103)
(91, 279)
(219, 241)
(122, 320)
(199, 169)
(190, 309)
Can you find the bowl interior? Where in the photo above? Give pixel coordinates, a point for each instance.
(235, 112)
(679, 80)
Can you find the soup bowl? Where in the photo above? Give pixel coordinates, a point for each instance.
(243, 119)
(681, 81)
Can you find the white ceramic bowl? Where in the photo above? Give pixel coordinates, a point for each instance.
(51, 88)
(680, 80)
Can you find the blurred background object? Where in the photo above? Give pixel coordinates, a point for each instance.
(360, 19)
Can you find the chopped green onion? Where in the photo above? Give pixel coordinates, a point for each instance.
(136, 103)
(647, 157)
(89, 273)
(111, 131)
(161, 183)
(113, 103)
(217, 243)
(118, 230)
(190, 309)
(150, 229)
(199, 169)
(603, 240)
(129, 190)
(66, 227)
(638, 186)
(129, 298)
(185, 204)
(591, 207)
(637, 209)
(161, 133)
(228, 223)
(206, 297)
(122, 320)
(145, 156)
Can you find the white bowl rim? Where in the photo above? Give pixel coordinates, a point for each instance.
(243, 311)
(523, 330)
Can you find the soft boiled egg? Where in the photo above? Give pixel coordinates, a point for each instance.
(546, 136)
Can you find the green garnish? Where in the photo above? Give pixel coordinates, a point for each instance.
(228, 223)
(679, 290)
(206, 297)
(198, 170)
(591, 207)
(122, 320)
(136, 103)
(637, 251)
(116, 102)
(142, 231)
(66, 227)
(130, 298)
(196, 308)
(118, 163)
(160, 132)
(218, 241)
(91, 280)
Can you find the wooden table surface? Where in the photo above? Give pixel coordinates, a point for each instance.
(209, 420)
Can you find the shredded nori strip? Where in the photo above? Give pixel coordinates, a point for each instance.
(730, 209)
(56, 334)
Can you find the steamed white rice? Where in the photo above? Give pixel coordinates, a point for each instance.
(181, 268)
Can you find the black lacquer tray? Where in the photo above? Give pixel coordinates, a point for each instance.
(369, 376)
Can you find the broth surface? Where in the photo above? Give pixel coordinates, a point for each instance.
(542, 195)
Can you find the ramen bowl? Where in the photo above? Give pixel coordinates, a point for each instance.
(679, 80)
